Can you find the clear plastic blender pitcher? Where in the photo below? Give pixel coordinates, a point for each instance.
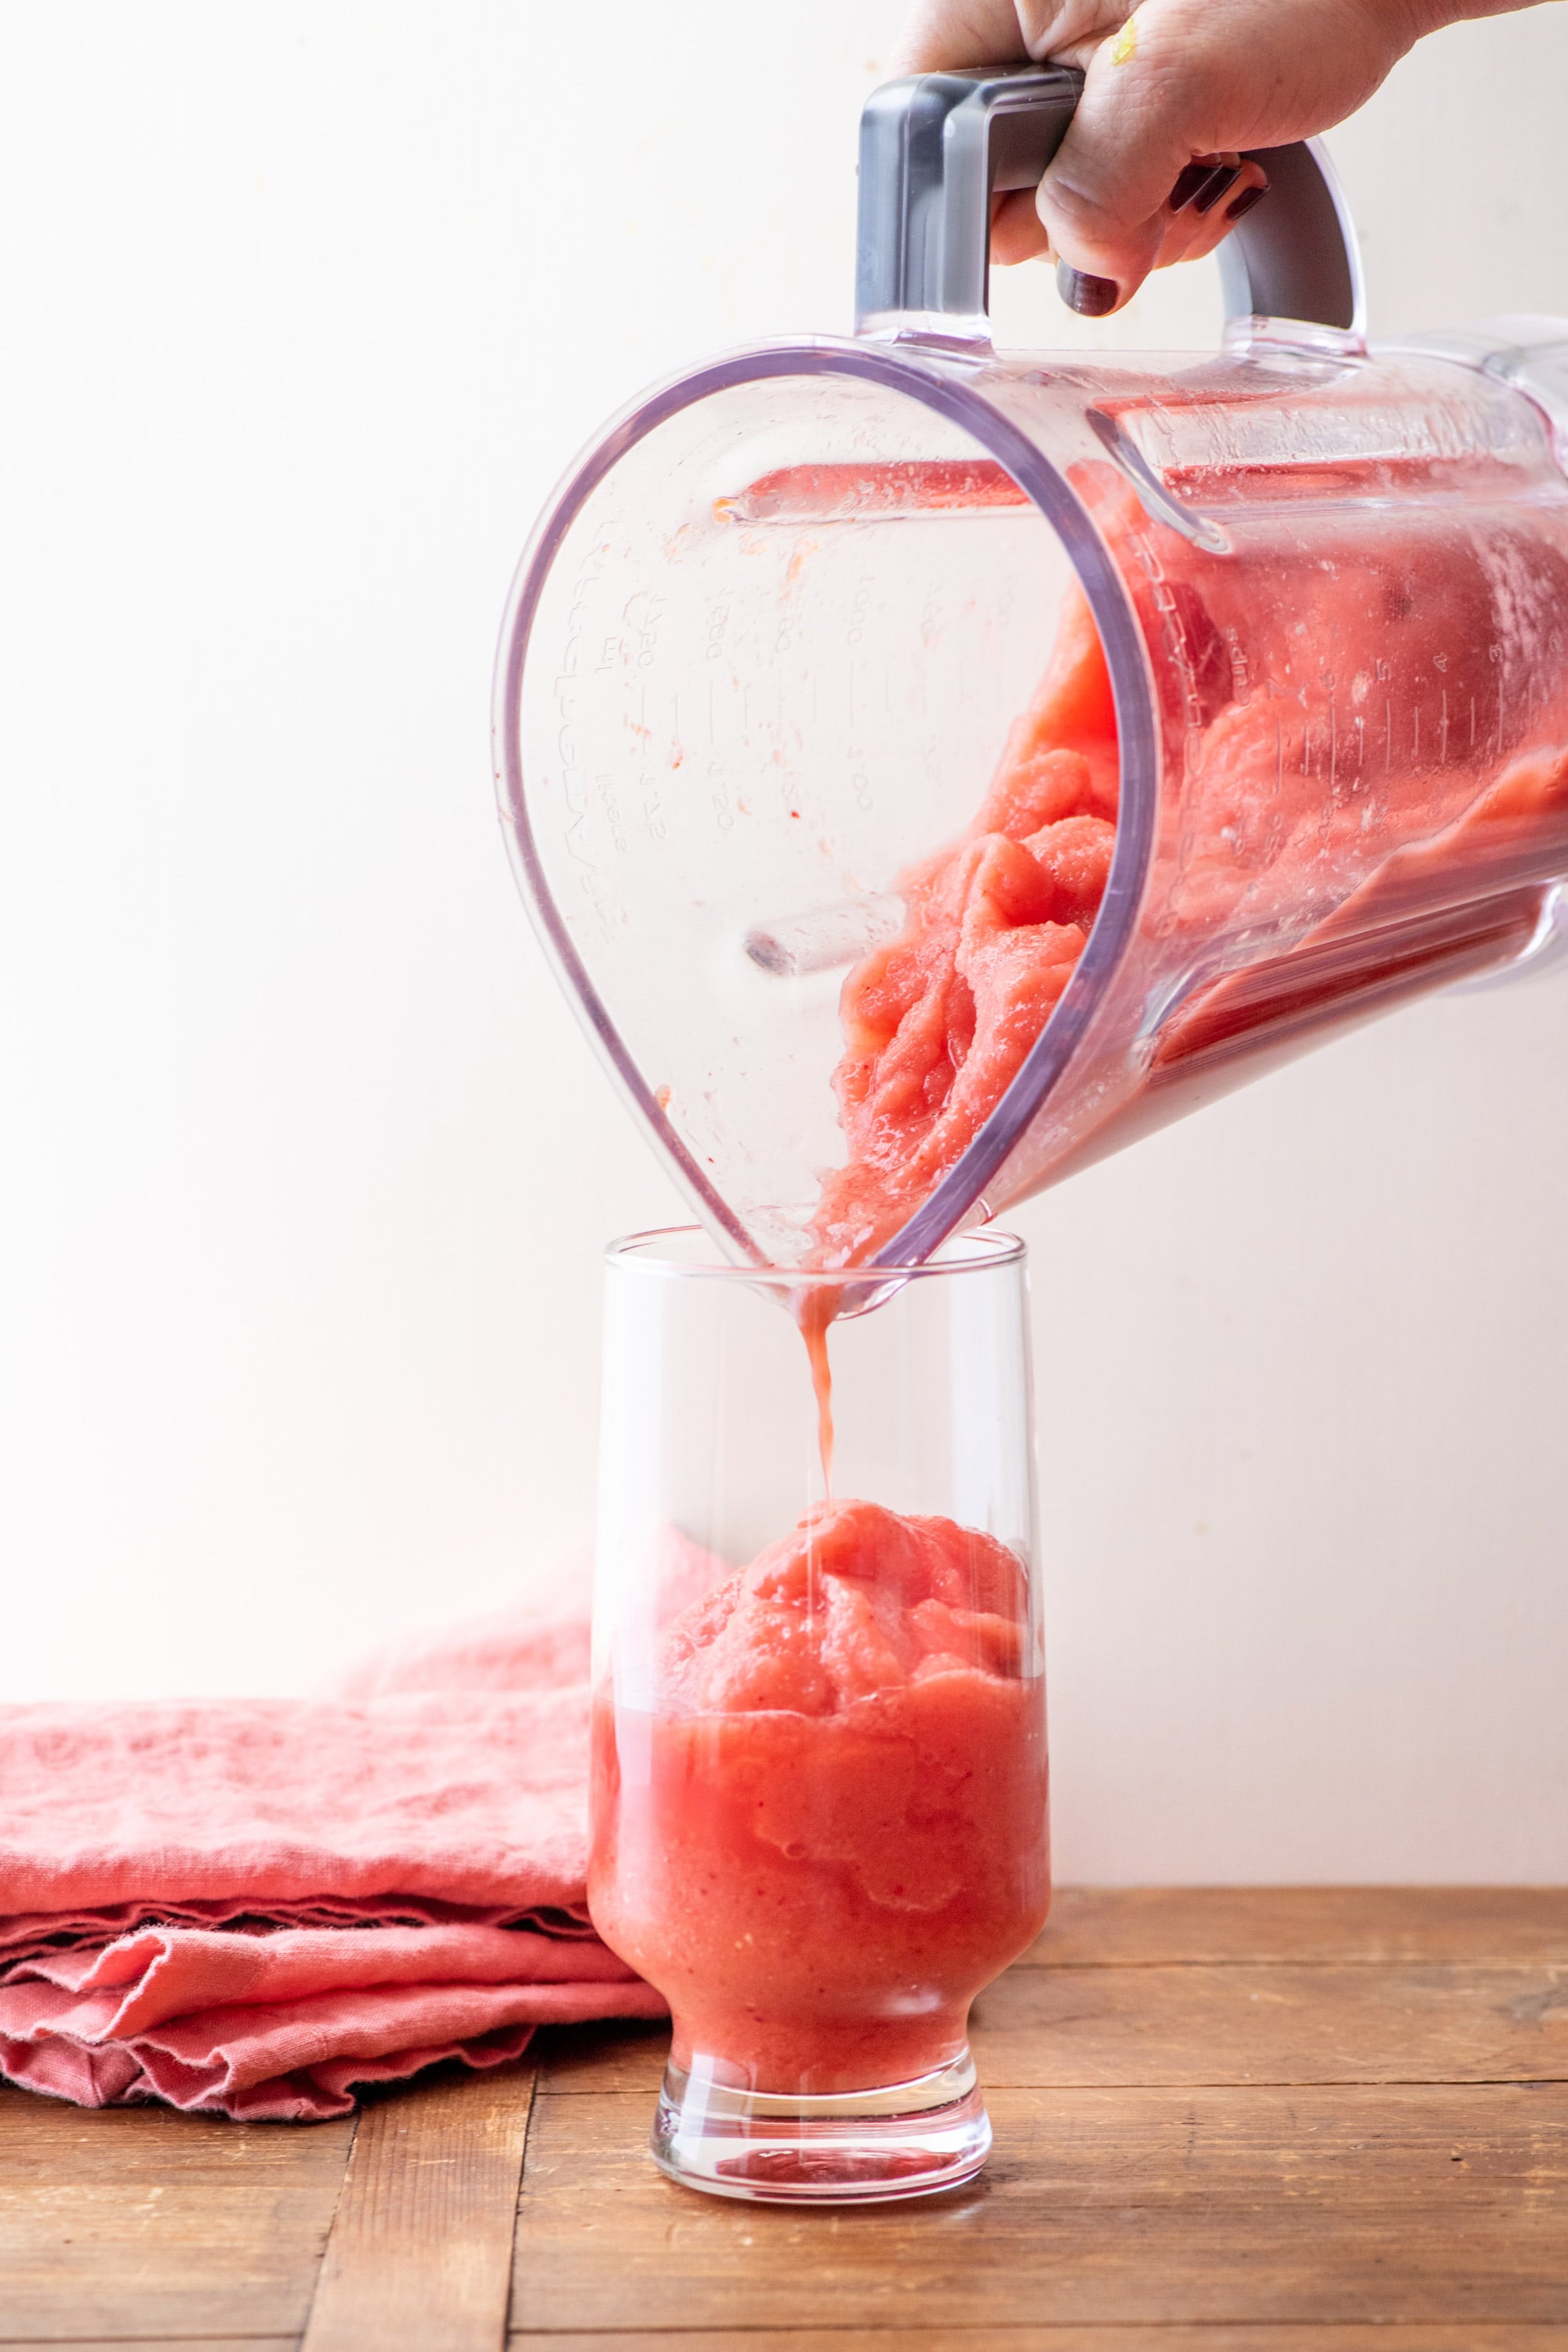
(785, 617)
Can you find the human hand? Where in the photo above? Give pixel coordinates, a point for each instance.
(1149, 172)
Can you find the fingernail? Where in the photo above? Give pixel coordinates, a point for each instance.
(1189, 180)
(1244, 202)
(1091, 298)
(1224, 176)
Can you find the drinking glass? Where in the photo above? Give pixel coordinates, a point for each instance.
(819, 1792)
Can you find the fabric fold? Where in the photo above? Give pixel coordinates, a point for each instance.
(251, 1907)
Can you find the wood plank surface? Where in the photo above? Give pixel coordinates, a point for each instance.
(1039, 2027)
(1227, 2120)
(1377, 1926)
(1437, 2339)
(1254, 2204)
(138, 2222)
(419, 2258)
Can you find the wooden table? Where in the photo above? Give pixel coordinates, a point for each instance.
(1259, 2120)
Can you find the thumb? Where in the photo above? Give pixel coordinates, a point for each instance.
(1184, 79)
(1102, 201)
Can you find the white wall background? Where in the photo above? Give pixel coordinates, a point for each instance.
(306, 1171)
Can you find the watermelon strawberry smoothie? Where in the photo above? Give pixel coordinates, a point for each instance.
(829, 1828)
(1366, 789)
(938, 1022)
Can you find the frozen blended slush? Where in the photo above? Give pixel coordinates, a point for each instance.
(829, 1830)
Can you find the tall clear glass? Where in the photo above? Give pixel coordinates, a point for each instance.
(819, 1791)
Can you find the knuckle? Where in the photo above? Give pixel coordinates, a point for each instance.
(1048, 24)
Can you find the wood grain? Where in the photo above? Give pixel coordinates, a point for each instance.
(140, 2223)
(1381, 1927)
(1041, 2027)
(1062, 2339)
(420, 2250)
(1227, 2120)
(617, 2056)
(1139, 2207)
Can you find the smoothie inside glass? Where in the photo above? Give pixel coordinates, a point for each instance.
(819, 1791)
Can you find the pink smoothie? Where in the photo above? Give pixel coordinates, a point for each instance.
(1356, 722)
(829, 1830)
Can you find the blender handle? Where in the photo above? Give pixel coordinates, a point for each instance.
(936, 148)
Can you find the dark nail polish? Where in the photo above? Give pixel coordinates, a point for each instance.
(1219, 180)
(1244, 203)
(1091, 298)
(1189, 180)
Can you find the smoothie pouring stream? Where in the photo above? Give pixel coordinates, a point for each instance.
(820, 1799)
(929, 771)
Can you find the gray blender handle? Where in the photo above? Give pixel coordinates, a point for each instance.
(936, 148)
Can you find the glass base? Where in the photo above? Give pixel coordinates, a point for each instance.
(854, 2148)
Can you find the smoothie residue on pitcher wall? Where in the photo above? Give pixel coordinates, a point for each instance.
(1318, 824)
(938, 1022)
(1347, 729)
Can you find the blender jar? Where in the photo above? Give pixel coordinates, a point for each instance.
(797, 615)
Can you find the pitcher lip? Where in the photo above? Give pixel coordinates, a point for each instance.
(950, 389)
(980, 1247)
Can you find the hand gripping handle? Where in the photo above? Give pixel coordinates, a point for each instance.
(934, 149)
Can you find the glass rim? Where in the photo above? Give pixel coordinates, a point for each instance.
(982, 1248)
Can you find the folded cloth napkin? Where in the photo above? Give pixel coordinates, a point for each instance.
(248, 1906)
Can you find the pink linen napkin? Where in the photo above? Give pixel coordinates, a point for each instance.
(247, 1907)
